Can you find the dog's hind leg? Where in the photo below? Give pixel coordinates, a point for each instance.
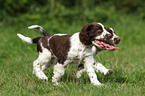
(47, 65)
(43, 59)
(80, 70)
(100, 68)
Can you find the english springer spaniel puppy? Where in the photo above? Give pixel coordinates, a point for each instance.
(81, 47)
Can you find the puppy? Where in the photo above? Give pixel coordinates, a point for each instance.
(63, 49)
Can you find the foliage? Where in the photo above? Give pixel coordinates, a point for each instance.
(70, 9)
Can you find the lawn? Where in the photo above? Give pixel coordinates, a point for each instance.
(128, 63)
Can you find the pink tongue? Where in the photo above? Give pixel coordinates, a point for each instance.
(102, 44)
(112, 47)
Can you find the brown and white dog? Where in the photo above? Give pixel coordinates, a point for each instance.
(63, 49)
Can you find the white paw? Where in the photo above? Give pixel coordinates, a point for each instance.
(109, 72)
(40, 75)
(43, 78)
(78, 75)
(33, 72)
(56, 83)
(98, 84)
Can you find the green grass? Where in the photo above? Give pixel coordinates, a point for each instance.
(128, 63)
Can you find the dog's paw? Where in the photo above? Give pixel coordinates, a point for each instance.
(78, 74)
(100, 84)
(109, 72)
(43, 78)
(56, 83)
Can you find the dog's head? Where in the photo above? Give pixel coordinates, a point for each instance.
(100, 36)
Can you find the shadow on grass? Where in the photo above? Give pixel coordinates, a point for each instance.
(70, 76)
(117, 76)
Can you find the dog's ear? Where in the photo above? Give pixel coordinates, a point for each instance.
(87, 28)
(85, 34)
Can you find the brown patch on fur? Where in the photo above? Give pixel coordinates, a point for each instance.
(60, 46)
(117, 40)
(35, 40)
(43, 41)
(80, 67)
(89, 31)
(39, 49)
(45, 33)
(109, 30)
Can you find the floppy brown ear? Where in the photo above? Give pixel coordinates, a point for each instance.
(87, 27)
(85, 34)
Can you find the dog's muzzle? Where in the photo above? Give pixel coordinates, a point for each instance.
(116, 40)
(104, 45)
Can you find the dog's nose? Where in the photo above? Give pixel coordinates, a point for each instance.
(117, 40)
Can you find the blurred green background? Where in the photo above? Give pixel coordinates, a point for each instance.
(69, 11)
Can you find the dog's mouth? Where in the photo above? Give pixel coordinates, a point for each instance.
(104, 45)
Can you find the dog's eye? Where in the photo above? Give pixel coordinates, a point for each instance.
(109, 30)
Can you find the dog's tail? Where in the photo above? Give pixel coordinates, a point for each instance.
(28, 39)
(40, 28)
(32, 40)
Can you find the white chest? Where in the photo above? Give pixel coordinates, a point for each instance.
(77, 49)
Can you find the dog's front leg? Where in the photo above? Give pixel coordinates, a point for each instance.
(88, 64)
(100, 68)
(59, 70)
